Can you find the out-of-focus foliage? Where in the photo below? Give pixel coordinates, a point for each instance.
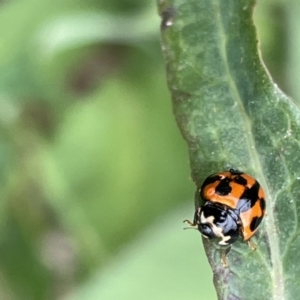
(91, 156)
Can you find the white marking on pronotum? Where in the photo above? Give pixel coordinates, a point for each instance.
(218, 231)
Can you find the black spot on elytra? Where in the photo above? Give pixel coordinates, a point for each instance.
(240, 180)
(262, 204)
(255, 222)
(248, 198)
(207, 181)
(211, 179)
(223, 188)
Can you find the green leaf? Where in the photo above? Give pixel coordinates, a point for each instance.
(232, 115)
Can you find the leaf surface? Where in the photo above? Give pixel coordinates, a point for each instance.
(232, 115)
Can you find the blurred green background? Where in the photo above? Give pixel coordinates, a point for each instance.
(94, 173)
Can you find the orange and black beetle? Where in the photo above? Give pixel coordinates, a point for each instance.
(234, 205)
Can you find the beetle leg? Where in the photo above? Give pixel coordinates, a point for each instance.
(223, 257)
(194, 224)
(191, 225)
(251, 245)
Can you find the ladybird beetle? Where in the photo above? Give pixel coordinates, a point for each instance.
(234, 205)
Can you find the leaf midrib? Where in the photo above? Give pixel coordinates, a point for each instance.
(276, 271)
